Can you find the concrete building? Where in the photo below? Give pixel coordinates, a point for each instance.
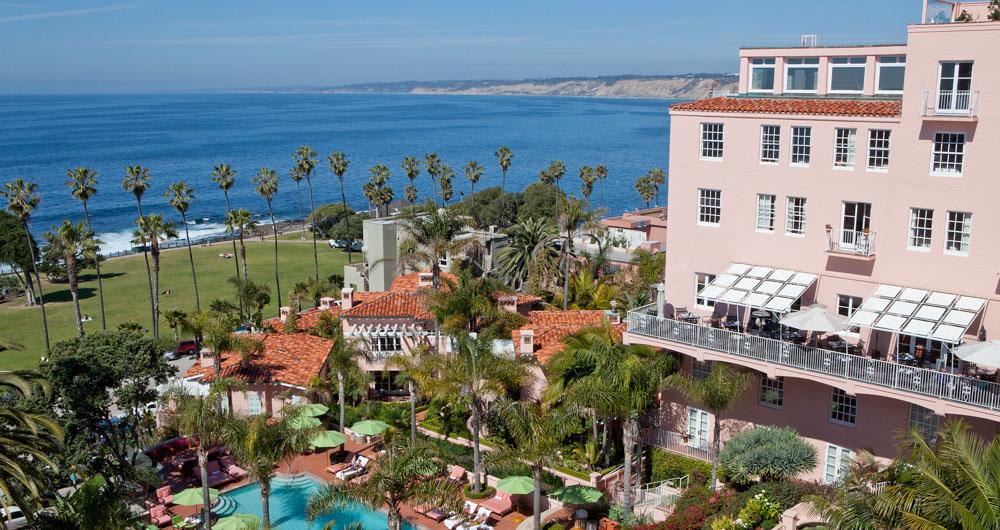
(645, 229)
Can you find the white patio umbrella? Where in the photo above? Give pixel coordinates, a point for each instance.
(985, 354)
(815, 318)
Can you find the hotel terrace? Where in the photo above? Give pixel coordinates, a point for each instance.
(861, 178)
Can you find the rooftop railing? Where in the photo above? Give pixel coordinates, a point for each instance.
(910, 379)
(851, 242)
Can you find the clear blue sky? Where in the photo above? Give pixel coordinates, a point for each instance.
(151, 45)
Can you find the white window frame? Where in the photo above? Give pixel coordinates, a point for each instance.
(848, 417)
(701, 280)
(767, 210)
(925, 421)
(792, 209)
(921, 220)
(852, 63)
(846, 306)
(800, 148)
(962, 236)
(836, 463)
(706, 207)
(762, 63)
(879, 140)
(256, 400)
(958, 155)
(698, 430)
(776, 385)
(712, 141)
(800, 63)
(850, 150)
(899, 62)
(770, 144)
(387, 344)
(700, 369)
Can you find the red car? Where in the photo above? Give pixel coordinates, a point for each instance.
(187, 347)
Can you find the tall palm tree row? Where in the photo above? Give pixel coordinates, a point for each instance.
(297, 176)
(225, 177)
(72, 242)
(22, 199)
(381, 194)
(473, 172)
(136, 182)
(239, 222)
(411, 168)
(267, 187)
(445, 183)
(305, 161)
(587, 179)
(339, 165)
(181, 196)
(151, 231)
(432, 162)
(83, 184)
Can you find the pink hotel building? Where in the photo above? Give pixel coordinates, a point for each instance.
(862, 178)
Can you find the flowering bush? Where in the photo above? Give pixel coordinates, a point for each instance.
(760, 512)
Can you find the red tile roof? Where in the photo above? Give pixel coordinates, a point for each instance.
(290, 358)
(392, 304)
(810, 106)
(411, 282)
(309, 317)
(549, 328)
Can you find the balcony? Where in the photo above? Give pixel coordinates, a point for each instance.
(676, 443)
(851, 243)
(951, 104)
(837, 364)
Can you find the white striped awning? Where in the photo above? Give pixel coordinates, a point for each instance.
(758, 287)
(928, 314)
(386, 330)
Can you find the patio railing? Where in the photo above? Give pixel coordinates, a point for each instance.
(843, 365)
(676, 443)
(662, 493)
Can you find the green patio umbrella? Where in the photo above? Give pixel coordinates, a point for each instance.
(370, 427)
(314, 409)
(516, 485)
(237, 521)
(193, 497)
(577, 495)
(326, 439)
(304, 422)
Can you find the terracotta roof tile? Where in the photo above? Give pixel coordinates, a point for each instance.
(549, 328)
(290, 358)
(392, 304)
(810, 106)
(309, 317)
(411, 282)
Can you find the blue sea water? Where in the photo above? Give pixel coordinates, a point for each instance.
(183, 136)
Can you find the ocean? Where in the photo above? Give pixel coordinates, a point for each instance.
(183, 136)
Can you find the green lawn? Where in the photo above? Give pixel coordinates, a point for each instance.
(126, 294)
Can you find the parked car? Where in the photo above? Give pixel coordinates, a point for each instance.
(187, 347)
(13, 517)
(358, 246)
(338, 243)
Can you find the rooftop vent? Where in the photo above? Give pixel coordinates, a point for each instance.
(808, 41)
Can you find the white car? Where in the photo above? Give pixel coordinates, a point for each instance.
(17, 519)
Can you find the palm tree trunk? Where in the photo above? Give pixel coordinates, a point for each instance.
(340, 399)
(229, 400)
(628, 441)
(395, 520)
(74, 290)
(312, 212)
(97, 267)
(714, 456)
(594, 432)
(41, 294)
(155, 251)
(265, 501)
(413, 414)
(206, 514)
(243, 257)
(566, 274)
(536, 498)
(298, 200)
(149, 275)
(476, 459)
(236, 259)
(194, 275)
(605, 439)
(274, 231)
(29, 286)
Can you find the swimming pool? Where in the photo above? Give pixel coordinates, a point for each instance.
(288, 506)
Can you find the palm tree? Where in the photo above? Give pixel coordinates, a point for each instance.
(175, 319)
(83, 182)
(657, 178)
(382, 196)
(444, 181)
(433, 164)
(305, 161)
(468, 375)
(717, 393)
(601, 172)
(538, 430)
(297, 176)
(646, 189)
(338, 165)
(415, 370)
(136, 182)
(239, 222)
(531, 248)
(434, 236)
(152, 230)
(181, 195)
(22, 198)
(225, 177)
(404, 475)
(504, 157)
(469, 305)
(343, 358)
(31, 444)
(473, 172)
(71, 242)
(411, 167)
(574, 218)
(260, 445)
(267, 187)
(587, 179)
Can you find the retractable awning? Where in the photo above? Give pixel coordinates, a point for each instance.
(758, 287)
(928, 314)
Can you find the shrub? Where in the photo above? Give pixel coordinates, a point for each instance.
(488, 491)
(787, 493)
(554, 526)
(768, 453)
(666, 465)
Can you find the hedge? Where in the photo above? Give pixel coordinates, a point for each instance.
(667, 465)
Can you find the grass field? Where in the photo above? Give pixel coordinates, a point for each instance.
(126, 295)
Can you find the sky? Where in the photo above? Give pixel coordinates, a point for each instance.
(62, 46)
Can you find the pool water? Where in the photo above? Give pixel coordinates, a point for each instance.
(288, 506)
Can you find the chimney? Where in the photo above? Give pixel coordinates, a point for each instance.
(527, 345)
(425, 279)
(327, 302)
(346, 298)
(283, 312)
(507, 303)
(207, 359)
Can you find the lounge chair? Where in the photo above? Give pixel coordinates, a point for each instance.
(458, 475)
(231, 469)
(158, 516)
(353, 471)
(478, 521)
(468, 512)
(179, 523)
(500, 504)
(436, 514)
(338, 467)
(215, 474)
(164, 495)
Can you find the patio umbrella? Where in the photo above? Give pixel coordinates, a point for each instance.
(193, 497)
(815, 318)
(516, 485)
(237, 521)
(328, 439)
(304, 422)
(370, 427)
(577, 495)
(985, 354)
(314, 409)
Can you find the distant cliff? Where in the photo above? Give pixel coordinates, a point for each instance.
(687, 86)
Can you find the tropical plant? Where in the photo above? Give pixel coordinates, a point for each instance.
(646, 189)
(17, 256)
(434, 236)
(239, 222)
(531, 247)
(404, 475)
(473, 172)
(767, 453)
(433, 164)
(83, 183)
(136, 182)
(225, 177)
(181, 195)
(504, 158)
(587, 179)
(151, 230)
(601, 173)
(379, 193)
(253, 297)
(574, 219)
(305, 161)
(175, 320)
(267, 187)
(22, 198)
(297, 176)
(411, 168)
(657, 178)
(413, 369)
(97, 504)
(72, 243)
(470, 305)
(343, 359)
(717, 393)
(444, 182)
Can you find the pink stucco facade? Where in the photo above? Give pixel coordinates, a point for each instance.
(956, 261)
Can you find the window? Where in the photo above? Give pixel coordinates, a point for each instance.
(878, 148)
(697, 428)
(253, 403)
(801, 74)
(847, 74)
(772, 391)
(762, 74)
(224, 404)
(844, 147)
(801, 145)
(711, 141)
(924, 421)
(959, 233)
(765, 212)
(701, 280)
(954, 85)
(709, 206)
(843, 407)
(921, 225)
(770, 143)
(890, 73)
(949, 154)
(387, 344)
(795, 216)
(701, 369)
(846, 306)
(836, 465)
(296, 400)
